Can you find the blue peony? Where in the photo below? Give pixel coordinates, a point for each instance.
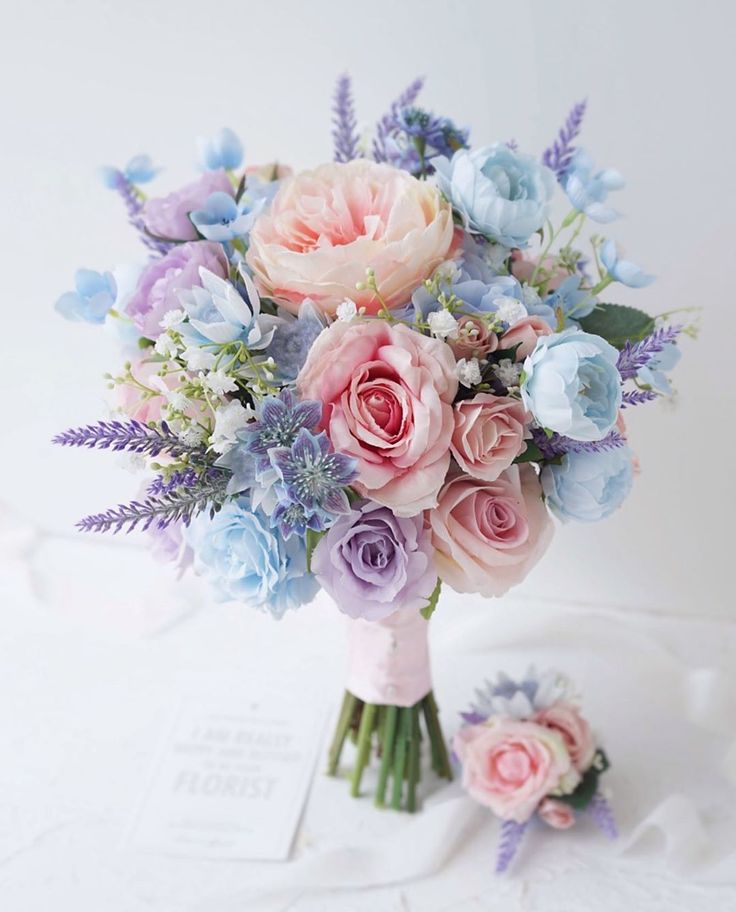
(93, 298)
(588, 486)
(239, 553)
(571, 384)
(588, 189)
(499, 193)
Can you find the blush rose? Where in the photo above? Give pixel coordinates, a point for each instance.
(488, 434)
(575, 731)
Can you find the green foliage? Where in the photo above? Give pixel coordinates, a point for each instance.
(618, 324)
(588, 785)
(429, 608)
(312, 540)
(532, 453)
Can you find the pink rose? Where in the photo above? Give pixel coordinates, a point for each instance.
(556, 814)
(168, 216)
(488, 535)
(511, 765)
(387, 393)
(488, 435)
(326, 226)
(526, 332)
(565, 719)
(474, 339)
(134, 402)
(522, 268)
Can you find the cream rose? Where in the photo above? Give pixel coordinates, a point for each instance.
(488, 535)
(488, 435)
(325, 227)
(575, 731)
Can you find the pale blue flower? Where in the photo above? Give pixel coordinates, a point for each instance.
(139, 170)
(587, 487)
(570, 302)
(654, 373)
(571, 384)
(588, 189)
(218, 313)
(622, 270)
(280, 418)
(498, 193)
(223, 219)
(246, 561)
(223, 150)
(93, 298)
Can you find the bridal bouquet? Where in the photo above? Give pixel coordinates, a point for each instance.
(376, 377)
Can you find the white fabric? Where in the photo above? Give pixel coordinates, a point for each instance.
(99, 646)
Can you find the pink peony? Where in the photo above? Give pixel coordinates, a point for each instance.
(387, 393)
(565, 719)
(474, 339)
(489, 534)
(526, 332)
(488, 435)
(326, 226)
(556, 814)
(510, 765)
(168, 216)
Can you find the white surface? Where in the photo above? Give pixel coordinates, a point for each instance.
(86, 706)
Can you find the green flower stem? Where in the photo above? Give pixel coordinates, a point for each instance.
(365, 732)
(604, 283)
(387, 745)
(393, 735)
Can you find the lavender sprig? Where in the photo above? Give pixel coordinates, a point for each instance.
(344, 132)
(386, 124)
(180, 505)
(557, 445)
(559, 155)
(637, 397)
(161, 485)
(134, 206)
(600, 811)
(511, 836)
(635, 355)
(131, 436)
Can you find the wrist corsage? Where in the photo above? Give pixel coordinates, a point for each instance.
(526, 751)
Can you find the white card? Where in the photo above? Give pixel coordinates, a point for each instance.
(231, 780)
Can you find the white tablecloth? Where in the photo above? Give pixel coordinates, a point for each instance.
(98, 646)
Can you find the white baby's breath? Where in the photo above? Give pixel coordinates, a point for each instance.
(197, 359)
(507, 372)
(347, 311)
(172, 318)
(442, 324)
(468, 372)
(165, 346)
(509, 310)
(218, 382)
(229, 419)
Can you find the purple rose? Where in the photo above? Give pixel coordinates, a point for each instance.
(156, 292)
(169, 546)
(168, 216)
(373, 563)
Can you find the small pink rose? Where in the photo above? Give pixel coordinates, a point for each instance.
(525, 334)
(566, 719)
(556, 814)
(523, 269)
(474, 339)
(488, 435)
(387, 395)
(488, 535)
(510, 765)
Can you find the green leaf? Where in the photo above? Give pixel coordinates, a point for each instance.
(532, 453)
(583, 794)
(312, 540)
(429, 608)
(618, 324)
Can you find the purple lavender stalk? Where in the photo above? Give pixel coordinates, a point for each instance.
(185, 479)
(133, 207)
(637, 397)
(344, 124)
(511, 836)
(386, 124)
(635, 355)
(600, 811)
(131, 436)
(559, 155)
(557, 445)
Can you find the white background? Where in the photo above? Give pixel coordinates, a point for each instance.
(85, 83)
(90, 669)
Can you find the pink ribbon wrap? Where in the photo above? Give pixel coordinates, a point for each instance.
(388, 660)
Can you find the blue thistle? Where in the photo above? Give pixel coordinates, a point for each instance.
(281, 418)
(314, 476)
(386, 124)
(559, 155)
(344, 124)
(418, 135)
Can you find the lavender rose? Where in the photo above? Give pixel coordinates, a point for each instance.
(156, 292)
(168, 216)
(374, 563)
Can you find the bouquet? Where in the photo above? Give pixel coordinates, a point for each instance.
(377, 377)
(527, 751)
